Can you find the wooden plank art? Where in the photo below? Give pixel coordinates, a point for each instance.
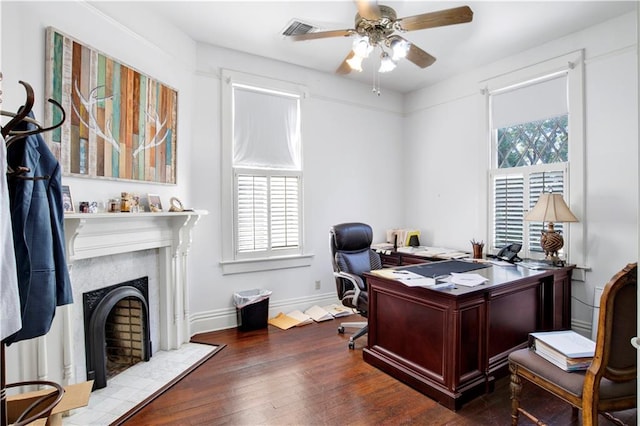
(121, 124)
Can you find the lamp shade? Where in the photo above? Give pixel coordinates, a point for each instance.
(550, 208)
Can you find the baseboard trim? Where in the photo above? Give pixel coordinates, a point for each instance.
(581, 327)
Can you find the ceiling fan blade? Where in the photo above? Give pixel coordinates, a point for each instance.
(368, 9)
(322, 34)
(419, 56)
(344, 67)
(457, 15)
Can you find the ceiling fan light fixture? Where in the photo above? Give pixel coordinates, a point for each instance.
(361, 47)
(399, 47)
(386, 63)
(355, 63)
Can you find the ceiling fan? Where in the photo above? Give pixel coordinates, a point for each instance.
(376, 26)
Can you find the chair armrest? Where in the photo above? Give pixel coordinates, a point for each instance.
(358, 284)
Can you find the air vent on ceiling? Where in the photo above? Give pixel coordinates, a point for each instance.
(296, 27)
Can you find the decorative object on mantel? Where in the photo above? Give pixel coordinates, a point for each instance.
(176, 206)
(123, 123)
(113, 205)
(551, 208)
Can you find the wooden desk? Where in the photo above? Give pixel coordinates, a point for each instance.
(391, 258)
(452, 344)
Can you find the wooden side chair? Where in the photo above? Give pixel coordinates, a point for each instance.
(609, 384)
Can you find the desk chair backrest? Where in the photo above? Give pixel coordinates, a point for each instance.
(615, 357)
(351, 253)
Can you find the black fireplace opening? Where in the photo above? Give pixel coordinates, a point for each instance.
(116, 329)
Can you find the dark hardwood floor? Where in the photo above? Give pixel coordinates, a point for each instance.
(308, 376)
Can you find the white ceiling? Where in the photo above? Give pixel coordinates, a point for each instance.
(499, 29)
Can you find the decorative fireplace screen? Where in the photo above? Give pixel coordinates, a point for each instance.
(117, 335)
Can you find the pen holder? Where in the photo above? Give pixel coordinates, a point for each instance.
(477, 250)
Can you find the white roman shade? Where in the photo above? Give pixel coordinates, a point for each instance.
(529, 102)
(266, 129)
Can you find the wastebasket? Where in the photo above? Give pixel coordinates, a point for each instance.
(252, 309)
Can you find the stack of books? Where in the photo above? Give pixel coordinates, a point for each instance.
(566, 349)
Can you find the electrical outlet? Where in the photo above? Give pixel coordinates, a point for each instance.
(318, 285)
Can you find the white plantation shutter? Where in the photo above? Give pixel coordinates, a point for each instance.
(285, 211)
(515, 192)
(252, 213)
(508, 193)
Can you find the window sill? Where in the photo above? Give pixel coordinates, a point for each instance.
(265, 264)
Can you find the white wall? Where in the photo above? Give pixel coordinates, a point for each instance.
(447, 154)
(352, 158)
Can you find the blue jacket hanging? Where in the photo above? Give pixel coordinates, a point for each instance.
(38, 233)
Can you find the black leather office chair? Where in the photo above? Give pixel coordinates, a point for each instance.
(352, 256)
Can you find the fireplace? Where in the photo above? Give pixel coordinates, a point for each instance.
(117, 329)
(100, 246)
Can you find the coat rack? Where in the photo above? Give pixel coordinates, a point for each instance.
(43, 405)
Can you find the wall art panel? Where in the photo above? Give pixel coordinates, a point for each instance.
(120, 124)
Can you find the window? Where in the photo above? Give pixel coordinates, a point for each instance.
(262, 169)
(530, 153)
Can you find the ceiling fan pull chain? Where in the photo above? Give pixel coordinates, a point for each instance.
(376, 81)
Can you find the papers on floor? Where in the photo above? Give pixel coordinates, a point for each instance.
(467, 279)
(338, 311)
(292, 319)
(318, 314)
(566, 349)
(315, 313)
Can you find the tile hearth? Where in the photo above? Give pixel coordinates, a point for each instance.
(132, 386)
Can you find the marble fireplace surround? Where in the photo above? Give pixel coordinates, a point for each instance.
(93, 236)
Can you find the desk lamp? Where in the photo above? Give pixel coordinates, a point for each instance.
(551, 208)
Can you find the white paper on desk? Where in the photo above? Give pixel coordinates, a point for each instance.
(412, 279)
(501, 263)
(468, 280)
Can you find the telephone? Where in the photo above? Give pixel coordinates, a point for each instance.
(509, 253)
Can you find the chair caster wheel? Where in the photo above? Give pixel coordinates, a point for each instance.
(341, 330)
(352, 345)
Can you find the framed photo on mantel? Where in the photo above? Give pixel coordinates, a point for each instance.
(155, 205)
(67, 201)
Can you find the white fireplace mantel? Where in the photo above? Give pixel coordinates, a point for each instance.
(100, 234)
(90, 235)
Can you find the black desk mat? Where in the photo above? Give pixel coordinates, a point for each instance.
(445, 267)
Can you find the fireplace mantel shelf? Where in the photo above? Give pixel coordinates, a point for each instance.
(91, 235)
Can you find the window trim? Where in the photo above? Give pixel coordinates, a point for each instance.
(230, 264)
(573, 64)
